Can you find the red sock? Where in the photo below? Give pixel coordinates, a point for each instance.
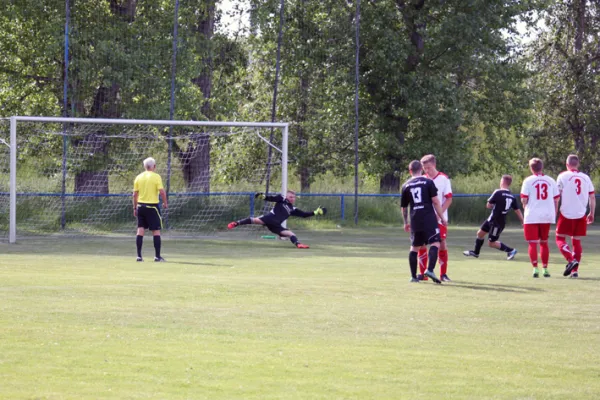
(443, 257)
(563, 246)
(578, 251)
(423, 259)
(544, 253)
(533, 254)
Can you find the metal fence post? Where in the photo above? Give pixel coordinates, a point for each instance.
(252, 206)
(342, 206)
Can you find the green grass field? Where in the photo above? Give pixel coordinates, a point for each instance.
(255, 319)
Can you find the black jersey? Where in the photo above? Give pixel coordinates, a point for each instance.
(503, 200)
(283, 209)
(419, 193)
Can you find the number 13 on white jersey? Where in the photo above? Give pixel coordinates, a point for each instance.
(540, 192)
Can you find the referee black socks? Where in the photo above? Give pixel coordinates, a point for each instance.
(139, 240)
(156, 246)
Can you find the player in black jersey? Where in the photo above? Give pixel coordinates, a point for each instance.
(420, 193)
(283, 209)
(501, 201)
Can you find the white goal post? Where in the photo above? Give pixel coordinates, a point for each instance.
(81, 170)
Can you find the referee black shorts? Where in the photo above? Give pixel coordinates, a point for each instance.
(493, 229)
(148, 216)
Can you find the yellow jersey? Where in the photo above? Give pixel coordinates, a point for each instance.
(148, 184)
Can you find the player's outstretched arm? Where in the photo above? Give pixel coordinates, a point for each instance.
(275, 199)
(296, 212)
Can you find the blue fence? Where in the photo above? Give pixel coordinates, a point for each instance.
(342, 196)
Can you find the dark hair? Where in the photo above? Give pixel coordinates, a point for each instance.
(573, 160)
(536, 164)
(415, 166)
(507, 179)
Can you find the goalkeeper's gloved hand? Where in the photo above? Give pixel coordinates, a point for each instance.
(320, 211)
(260, 196)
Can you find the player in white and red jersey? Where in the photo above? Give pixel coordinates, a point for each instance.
(576, 191)
(539, 195)
(442, 183)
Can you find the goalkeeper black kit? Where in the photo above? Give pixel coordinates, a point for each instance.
(282, 210)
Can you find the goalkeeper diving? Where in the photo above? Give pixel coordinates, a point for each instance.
(283, 209)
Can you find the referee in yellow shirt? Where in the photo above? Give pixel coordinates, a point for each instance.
(146, 188)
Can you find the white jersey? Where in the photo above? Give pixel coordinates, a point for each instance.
(575, 189)
(540, 191)
(442, 183)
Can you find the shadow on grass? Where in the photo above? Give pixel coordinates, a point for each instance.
(586, 279)
(199, 263)
(493, 287)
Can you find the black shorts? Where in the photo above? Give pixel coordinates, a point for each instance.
(422, 238)
(148, 216)
(493, 229)
(272, 224)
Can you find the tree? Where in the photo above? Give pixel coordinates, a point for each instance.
(432, 71)
(566, 59)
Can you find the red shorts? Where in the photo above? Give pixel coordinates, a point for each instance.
(443, 231)
(571, 227)
(536, 231)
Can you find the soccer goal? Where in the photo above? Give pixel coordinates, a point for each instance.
(74, 176)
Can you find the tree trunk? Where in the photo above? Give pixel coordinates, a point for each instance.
(410, 12)
(91, 182)
(94, 177)
(304, 169)
(196, 159)
(389, 183)
(578, 125)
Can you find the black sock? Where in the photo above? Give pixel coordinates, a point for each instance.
(294, 240)
(157, 246)
(478, 244)
(245, 221)
(413, 261)
(505, 248)
(433, 256)
(138, 242)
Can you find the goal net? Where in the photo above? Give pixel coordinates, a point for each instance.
(75, 176)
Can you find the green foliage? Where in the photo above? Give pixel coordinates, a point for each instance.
(443, 79)
(565, 59)
(448, 78)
